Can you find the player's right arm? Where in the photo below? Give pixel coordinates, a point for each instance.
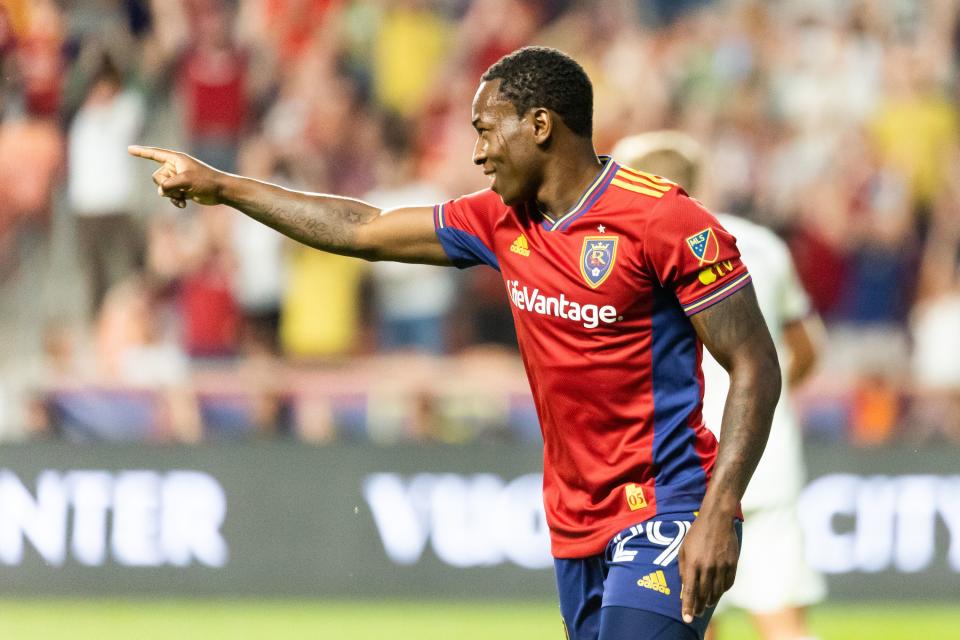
(330, 223)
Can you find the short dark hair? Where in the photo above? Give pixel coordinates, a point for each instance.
(544, 77)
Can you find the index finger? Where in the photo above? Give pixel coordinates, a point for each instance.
(152, 153)
(688, 592)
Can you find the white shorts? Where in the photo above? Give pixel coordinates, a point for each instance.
(773, 573)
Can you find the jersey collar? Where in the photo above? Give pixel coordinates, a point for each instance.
(586, 200)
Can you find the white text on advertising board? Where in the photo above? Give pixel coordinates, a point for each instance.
(851, 523)
(136, 518)
(880, 523)
(470, 521)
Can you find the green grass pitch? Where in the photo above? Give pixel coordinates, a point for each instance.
(280, 619)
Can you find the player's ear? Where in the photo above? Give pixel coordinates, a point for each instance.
(542, 121)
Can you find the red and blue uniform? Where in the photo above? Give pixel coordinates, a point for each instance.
(601, 297)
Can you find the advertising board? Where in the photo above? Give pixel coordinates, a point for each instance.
(434, 521)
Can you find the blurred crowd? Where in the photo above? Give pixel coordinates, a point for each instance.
(834, 122)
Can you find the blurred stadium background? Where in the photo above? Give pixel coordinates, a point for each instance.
(208, 431)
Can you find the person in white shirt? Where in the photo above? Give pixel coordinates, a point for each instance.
(774, 583)
(412, 301)
(109, 238)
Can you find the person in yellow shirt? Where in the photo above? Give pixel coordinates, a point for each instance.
(916, 128)
(320, 311)
(409, 52)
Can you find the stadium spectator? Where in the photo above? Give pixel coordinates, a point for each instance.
(916, 126)
(327, 287)
(249, 400)
(934, 328)
(260, 256)
(411, 302)
(490, 30)
(212, 79)
(64, 362)
(291, 27)
(142, 367)
(208, 308)
(31, 165)
(191, 264)
(408, 52)
(40, 59)
(108, 237)
(875, 408)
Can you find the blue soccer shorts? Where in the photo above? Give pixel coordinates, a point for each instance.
(631, 591)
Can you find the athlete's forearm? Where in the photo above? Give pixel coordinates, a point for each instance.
(735, 333)
(328, 223)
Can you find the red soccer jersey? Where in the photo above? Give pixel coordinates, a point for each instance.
(601, 297)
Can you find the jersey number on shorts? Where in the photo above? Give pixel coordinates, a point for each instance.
(655, 535)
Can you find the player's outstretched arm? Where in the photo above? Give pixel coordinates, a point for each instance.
(329, 223)
(736, 335)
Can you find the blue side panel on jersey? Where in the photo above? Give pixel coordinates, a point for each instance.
(676, 392)
(465, 249)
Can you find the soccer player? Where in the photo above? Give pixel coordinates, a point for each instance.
(774, 582)
(600, 264)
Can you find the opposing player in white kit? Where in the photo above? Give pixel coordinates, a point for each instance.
(774, 582)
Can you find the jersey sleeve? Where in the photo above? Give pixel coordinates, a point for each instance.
(691, 254)
(465, 228)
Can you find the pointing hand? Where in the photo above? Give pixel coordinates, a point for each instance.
(181, 177)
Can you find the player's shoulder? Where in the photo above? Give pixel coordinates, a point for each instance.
(640, 190)
(479, 206)
(654, 197)
(484, 199)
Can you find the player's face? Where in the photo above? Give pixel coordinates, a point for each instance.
(505, 145)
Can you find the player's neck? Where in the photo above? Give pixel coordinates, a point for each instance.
(566, 178)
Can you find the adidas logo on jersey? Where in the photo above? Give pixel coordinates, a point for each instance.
(520, 246)
(656, 581)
